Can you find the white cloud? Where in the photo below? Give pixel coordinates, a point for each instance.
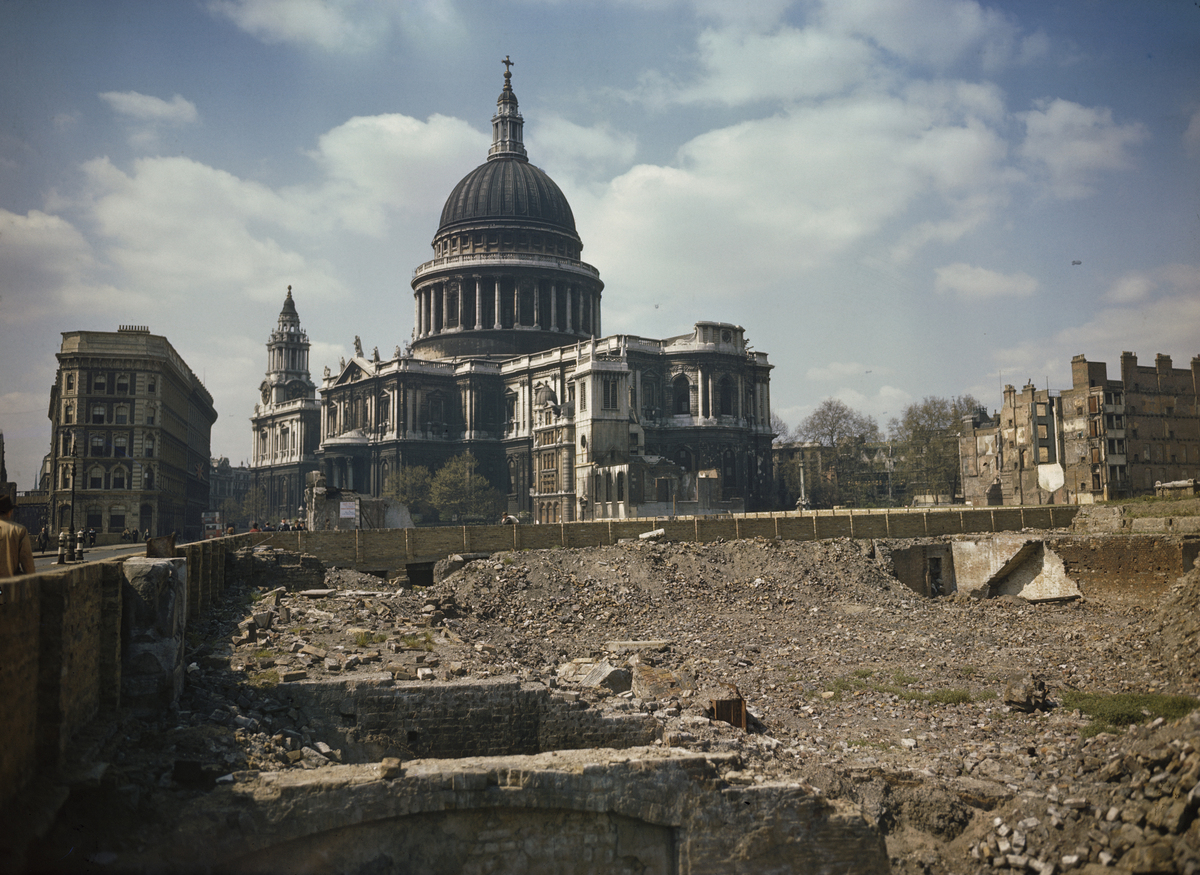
(580, 152)
(332, 25)
(797, 188)
(787, 64)
(374, 164)
(1069, 143)
(44, 260)
(936, 33)
(146, 108)
(1130, 288)
(1166, 319)
(979, 284)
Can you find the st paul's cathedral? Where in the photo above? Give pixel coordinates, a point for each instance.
(507, 362)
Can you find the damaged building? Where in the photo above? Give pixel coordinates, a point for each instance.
(1101, 439)
(507, 362)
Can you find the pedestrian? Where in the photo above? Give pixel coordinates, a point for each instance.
(507, 520)
(16, 550)
(91, 537)
(43, 540)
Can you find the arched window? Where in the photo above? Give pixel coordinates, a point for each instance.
(120, 446)
(681, 391)
(725, 396)
(620, 486)
(69, 412)
(96, 478)
(608, 484)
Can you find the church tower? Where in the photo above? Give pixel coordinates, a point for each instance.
(286, 424)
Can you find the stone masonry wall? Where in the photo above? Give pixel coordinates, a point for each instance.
(376, 717)
(389, 550)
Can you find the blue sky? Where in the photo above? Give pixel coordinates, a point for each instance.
(889, 195)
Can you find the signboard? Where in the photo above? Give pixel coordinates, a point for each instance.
(346, 510)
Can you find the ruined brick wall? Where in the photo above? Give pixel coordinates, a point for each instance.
(496, 717)
(1132, 568)
(274, 567)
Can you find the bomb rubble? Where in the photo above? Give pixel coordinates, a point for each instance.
(942, 718)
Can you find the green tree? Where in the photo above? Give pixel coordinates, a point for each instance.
(254, 506)
(460, 492)
(926, 438)
(411, 487)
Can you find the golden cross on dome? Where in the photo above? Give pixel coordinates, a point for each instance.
(507, 63)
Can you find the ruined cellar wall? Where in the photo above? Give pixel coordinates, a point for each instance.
(19, 622)
(497, 717)
(1125, 567)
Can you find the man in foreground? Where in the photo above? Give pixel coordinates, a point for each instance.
(16, 550)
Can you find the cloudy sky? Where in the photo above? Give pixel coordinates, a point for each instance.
(896, 198)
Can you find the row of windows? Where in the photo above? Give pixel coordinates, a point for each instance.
(109, 384)
(106, 444)
(101, 478)
(107, 414)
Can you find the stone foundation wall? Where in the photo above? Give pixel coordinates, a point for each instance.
(375, 717)
(273, 567)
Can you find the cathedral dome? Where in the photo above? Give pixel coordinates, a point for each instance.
(507, 190)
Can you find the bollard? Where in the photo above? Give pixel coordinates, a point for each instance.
(79, 546)
(62, 546)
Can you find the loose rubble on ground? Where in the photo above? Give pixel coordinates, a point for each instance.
(942, 718)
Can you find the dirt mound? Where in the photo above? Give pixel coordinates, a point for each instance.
(1178, 638)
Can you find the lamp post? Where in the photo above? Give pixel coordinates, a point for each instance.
(74, 463)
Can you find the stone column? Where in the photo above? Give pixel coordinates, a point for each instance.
(553, 306)
(478, 303)
(596, 315)
(570, 294)
(516, 303)
(498, 324)
(445, 307)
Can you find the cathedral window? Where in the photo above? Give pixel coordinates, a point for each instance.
(726, 396)
(583, 394)
(682, 395)
(70, 382)
(68, 413)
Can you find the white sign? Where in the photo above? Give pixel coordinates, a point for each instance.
(346, 510)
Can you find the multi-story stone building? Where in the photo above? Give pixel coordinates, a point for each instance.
(227, 483)
(287, 422)
(506, 362)
(129, 435)
(1101, 439)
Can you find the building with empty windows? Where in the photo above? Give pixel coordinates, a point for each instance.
(130, 427)
(1101, 439)
(507, 361)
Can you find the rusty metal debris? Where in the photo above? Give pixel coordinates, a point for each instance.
(730, 710)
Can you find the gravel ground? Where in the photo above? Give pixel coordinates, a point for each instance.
(916, 709)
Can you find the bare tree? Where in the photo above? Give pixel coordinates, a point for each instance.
(834, 422)
(783, 432)
(926, 436)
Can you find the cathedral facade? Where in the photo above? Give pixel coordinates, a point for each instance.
(507, 361)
